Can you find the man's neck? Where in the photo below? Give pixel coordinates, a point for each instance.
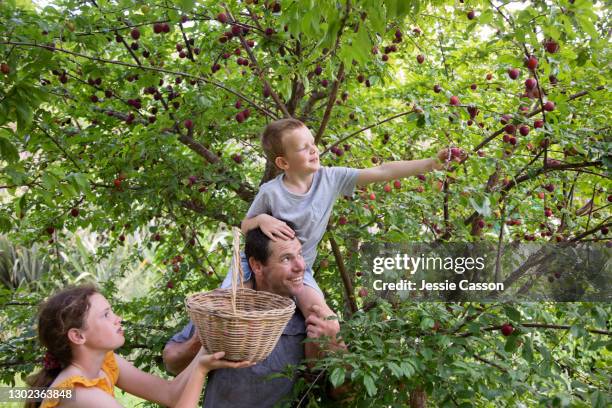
(298, 183)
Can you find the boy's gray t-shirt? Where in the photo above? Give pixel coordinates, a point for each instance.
(309, 212)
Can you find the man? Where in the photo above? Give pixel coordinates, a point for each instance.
(278, 267)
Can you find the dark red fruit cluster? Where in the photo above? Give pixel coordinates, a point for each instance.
(243, 115)
(159, 28)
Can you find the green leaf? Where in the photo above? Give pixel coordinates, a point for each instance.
(403, 7)
(391, 7)
(5, 224)
(24, 114)
(427, 323)
(81, 181)
(368, 382)
(8, 151)
(527, 352)
(545, 352)
(186, 5)
(483, 209)
(395, 369)
(67, 191)
(337, 376)
(599, 400)
(577, 331)
(376, 17)
(20, 206)
(49, 181)
(407, 369)
(363, 45)
(486, 17)
(511, 343)
(427, 353)
(512, 313)
(587, 25)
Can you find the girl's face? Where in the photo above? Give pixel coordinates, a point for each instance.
(103, 328)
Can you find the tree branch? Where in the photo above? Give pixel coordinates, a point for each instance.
(244, 191)
(533, 113)
(330, 103)
(60, 147)
(591, 231)
(155, 69)
(348, 285)
(535, 174)
(541, 326)
(380, 122)
(279, 104)
(484, 360)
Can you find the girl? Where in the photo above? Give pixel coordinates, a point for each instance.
(81, 332)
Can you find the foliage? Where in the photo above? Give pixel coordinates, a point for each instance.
(18, 265)
(459, 356)
(113, 131)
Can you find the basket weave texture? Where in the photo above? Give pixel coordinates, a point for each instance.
(244, 323)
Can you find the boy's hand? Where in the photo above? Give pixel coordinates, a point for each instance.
(274, 228)
(448, 155)
(318, 325)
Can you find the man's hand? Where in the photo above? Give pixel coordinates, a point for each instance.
(177, 356)
(318, 326)
(193, 343)
(274, 228)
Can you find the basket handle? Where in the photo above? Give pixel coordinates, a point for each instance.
(237, 272)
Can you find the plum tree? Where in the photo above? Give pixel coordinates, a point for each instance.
(146, 123)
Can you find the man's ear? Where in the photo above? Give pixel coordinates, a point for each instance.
(281, 162)
(75, 336)
(256, 267)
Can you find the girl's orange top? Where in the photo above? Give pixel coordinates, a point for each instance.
(105, 383)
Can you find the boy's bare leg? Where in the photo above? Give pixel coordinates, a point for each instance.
(307, 298)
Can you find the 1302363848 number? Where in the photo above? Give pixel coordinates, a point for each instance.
(33, 394)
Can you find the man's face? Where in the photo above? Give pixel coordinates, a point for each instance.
(283, 274)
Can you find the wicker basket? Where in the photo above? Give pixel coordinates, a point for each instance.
(244, 323)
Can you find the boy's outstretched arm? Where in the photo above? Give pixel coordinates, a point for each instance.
(406, 168)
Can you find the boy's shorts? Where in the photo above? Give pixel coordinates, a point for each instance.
(248, 274)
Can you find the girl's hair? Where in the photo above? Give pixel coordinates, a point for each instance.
(272, 137)
(63, 311)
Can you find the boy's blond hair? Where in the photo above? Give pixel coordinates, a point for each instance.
(272, 136)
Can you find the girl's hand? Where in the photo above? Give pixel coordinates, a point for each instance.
(274, 228)
(214, 361)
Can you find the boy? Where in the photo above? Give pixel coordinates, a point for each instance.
(305, 194)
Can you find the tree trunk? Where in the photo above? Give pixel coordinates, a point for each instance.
(418, 398)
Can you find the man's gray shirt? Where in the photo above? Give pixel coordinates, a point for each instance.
(250, 387)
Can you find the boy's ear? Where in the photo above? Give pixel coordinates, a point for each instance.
(75, 336)
(281, 162)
